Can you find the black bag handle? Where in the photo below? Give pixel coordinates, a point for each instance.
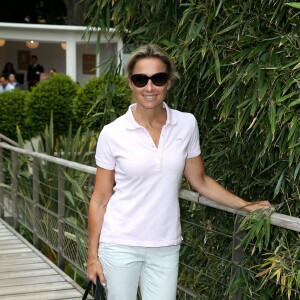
(99, 293)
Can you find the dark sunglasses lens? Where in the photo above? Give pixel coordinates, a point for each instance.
(139, 80)
(160, 79)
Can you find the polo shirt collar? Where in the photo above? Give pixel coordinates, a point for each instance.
(132, 124)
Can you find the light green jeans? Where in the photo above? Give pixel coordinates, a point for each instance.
(126, 268)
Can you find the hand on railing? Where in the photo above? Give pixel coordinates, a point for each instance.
(258, 205)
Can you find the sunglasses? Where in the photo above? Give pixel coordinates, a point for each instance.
(141, 80)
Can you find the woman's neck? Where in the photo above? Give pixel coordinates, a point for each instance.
(150, 117)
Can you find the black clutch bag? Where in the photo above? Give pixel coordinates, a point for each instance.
(99, 293)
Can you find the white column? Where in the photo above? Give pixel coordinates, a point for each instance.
(120, 51)
(71, 59)
(98, 61)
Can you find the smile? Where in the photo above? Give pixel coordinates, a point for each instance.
(150, 96)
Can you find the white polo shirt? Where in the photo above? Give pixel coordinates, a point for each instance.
(144, 207)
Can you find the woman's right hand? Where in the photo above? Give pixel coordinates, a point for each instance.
(94, 270)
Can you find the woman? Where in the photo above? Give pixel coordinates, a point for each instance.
(8, 69)
(134, 226)
(12, 81)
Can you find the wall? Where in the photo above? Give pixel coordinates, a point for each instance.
(106, 51)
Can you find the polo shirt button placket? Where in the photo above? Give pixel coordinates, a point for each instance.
(157, 159)
(158, 156)
(149, 138)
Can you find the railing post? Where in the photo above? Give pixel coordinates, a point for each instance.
(61, 215)
(14, 189)
(238, 255)
(35, 196)
(1, 182)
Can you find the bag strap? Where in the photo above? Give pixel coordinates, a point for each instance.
(98, 290)
(87, 290)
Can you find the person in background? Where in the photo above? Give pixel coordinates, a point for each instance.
(33, 72)
(12, 81)
(52, 71)
(8, 69)
(4, 86)
(134, 215)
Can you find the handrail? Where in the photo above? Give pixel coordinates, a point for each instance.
(277, 219)
(284, 221)
(57, 160)
(8, 140)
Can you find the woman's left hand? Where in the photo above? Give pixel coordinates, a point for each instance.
(251, 206)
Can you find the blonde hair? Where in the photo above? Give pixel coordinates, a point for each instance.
(149, 51)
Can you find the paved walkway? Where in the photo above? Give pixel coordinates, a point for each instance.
(27, 274)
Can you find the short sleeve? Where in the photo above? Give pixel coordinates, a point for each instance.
(194, 143)
(104, 157)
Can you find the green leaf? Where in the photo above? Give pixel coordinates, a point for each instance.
(3, 185)
(279, 183)
(292, 63)
(281, 99)
(298, 279)
(267, 231)
(247, 239)
(217, 65)
(296, 171)
(295, 102)
(293, 127)
(294, 4)
(69, 197)
(229, 28)
(272, 117)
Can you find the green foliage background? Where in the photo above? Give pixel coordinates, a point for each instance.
(12, 113)
(90, 104)
(90, 107)
(53, 96)
(239, 63)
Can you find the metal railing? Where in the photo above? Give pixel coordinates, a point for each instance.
(49, 196)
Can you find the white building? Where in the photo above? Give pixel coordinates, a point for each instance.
(64, 48)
